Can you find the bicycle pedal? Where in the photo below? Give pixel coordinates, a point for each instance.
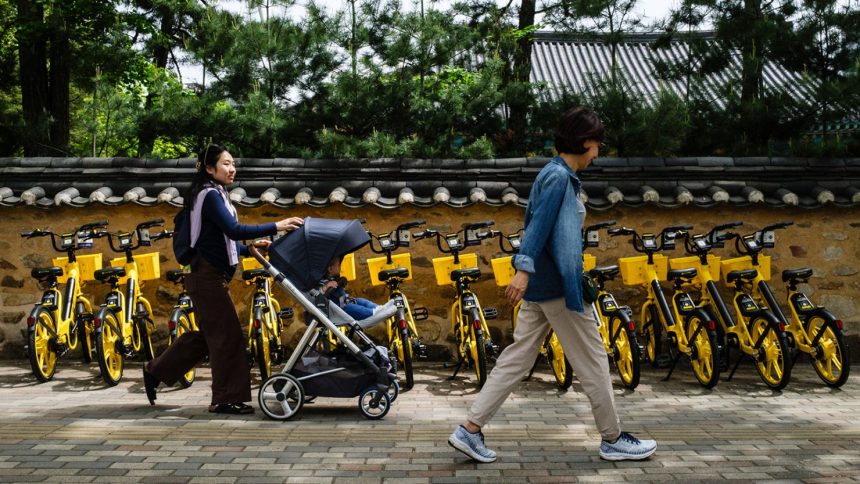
(420, 350)
(490, 313)
(420, 313)
(286, 313)
(664, 361)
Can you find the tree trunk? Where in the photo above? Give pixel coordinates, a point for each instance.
(160, 55)
(59, 79)
(33, 59)
(520, 103)
(752, 53)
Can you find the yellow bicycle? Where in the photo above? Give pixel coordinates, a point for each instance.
(812, 330)
(468, 320)
(503, 272)
(264, 320)
(62, 320)
(754, 329)
(182, 319)
(124, 325)
(392, 270)
(689, 330)
(615, 323)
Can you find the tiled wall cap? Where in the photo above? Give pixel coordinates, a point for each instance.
(405, 196)
(270, 195)
(371, 195)
(338, 195)
(134, 194)
(238, 194)
(65, 197)
(649, 195)
(304, 196)
(101, 195)
(823, 195)
(718, 194)
(168, 194)
(752, 195)
(477, 195)
(441, 195)
(788, 197)
(32, 195)
(683, 196)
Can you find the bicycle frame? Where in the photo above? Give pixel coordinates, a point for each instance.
(50, 330)
(263, 325)
(468, 322)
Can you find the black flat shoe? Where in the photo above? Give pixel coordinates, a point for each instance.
(231, 408)
(150, 384)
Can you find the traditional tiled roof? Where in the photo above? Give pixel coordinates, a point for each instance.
(574, 61)
(389, 183)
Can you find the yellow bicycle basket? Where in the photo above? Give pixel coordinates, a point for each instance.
(443, 266)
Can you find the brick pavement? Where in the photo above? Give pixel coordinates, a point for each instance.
(73, 429)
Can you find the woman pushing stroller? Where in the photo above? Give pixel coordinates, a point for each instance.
(215, 228)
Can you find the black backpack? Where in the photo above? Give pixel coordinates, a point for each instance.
(182, 249)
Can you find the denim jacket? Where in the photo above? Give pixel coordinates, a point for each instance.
(551, 250)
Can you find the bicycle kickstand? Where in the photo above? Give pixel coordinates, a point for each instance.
(735, 368)
(456, 369)
(674, 364)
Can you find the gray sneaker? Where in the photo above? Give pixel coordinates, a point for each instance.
(627, 447)
(471, 445)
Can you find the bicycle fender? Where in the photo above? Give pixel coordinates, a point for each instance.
(34, 313)
(100, 316)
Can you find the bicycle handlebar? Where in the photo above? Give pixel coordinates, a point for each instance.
(159, 222)
(89, 230)
(778, 225)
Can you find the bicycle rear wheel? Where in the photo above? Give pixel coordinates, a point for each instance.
(832, 362)
(772, 360)
(40, 351)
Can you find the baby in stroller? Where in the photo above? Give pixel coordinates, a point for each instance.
(355, 366)
(335, 288)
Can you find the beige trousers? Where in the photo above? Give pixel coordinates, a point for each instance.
(583, 347)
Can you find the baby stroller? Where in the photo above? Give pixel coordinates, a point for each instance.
(356, 366)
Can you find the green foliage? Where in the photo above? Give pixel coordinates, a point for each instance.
(377, 79)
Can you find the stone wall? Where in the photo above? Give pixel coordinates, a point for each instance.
(825, 239)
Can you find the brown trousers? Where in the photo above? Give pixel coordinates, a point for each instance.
(220, 337)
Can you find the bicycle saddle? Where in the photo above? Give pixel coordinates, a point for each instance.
(400, 272)
(471, 273)
(107, 273)
(45, 272)
(175, 275)
(746, 274)
(606, 273)
(254, 273)
(686, 273)
(794, 274)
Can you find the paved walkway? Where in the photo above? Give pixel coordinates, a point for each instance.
(73, 429)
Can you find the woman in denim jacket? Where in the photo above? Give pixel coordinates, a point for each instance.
(548, 280)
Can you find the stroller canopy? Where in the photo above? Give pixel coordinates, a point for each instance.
(304, 254)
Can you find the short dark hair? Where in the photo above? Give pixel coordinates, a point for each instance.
(575, 127)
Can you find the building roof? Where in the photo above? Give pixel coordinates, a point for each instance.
(390, 183)
(574, 61)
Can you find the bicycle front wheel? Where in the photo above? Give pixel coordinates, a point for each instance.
(705, 353)
(107, 353)
(625, 352)
(183, 325)
(405, 357)
(263, 352)
(142, 320)
(84, 330)
(772, 359)
(831, 361)
(40, 351)
(561, 368)
(477, 350)
(652, 332)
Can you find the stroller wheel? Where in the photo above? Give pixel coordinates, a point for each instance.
(393, 390)
(281, 396)
(365, 404)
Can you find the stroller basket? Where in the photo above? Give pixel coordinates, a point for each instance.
(339, 373)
